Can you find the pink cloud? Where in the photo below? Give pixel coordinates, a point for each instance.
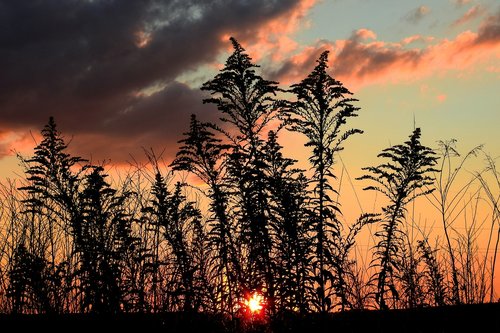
(493, 69)
(460, 3)
(294, 68)
(366, 34)
(441, 98)
(274, 38)
(470, 15)
(358, 62)
(417, 38)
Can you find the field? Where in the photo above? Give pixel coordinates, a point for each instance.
(466, 318)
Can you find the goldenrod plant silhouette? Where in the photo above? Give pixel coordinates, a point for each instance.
(260, 244)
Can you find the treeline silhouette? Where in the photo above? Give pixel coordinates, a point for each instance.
(73, 241)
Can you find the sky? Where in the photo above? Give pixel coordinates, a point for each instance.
(120, 76)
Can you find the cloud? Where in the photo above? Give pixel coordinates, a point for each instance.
(489, 30)
(417, 38)
(273, 39)
(365, 34)
(470, 15)
(441, 98)
(417, 14)
(371, 60)
(460, 3)
(292, 69)
(358, 62)
(88, 63)
(14, 142)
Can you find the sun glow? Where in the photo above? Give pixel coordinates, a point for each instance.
(255, 303)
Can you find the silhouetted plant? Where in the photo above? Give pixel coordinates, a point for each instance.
(204, 155)
(433, 274)
(52, 212)
(12, 234)
(289, 222)
(175, 215)
(33, 283)
(205, 297)
(103, 244)
(473, 282)
(320, 113)
(409, 276)
(404, 177)
(446, 201)
(135, 245)
(50, 174)
(344, 266)
(246, 102)
(152, 255)
(494, 200)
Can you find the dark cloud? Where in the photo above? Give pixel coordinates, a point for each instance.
(489, 31)
(155, 121)
(164, 114)
(86, 62)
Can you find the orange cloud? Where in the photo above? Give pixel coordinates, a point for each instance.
(296, 67)
(13, 141)
(366, 34)
(357, 62)
(273, 39)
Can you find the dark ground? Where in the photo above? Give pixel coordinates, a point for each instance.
(466, 318)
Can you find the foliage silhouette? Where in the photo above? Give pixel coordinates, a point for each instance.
(73, 239)
(290, 226)
(246, 102)
(444, 200)
(320, 113)
(402, 179)
(434, 274)
(176, 216)
(203, 155)
(33, 284)
(51, 206)
(104, 239)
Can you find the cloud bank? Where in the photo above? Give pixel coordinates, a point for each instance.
(363, 59)
(109, 69)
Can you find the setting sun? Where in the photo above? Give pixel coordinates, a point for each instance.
(255, 303)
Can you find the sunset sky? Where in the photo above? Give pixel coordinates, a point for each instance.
(122, 75)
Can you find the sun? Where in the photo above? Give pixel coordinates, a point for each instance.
(255, 303)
